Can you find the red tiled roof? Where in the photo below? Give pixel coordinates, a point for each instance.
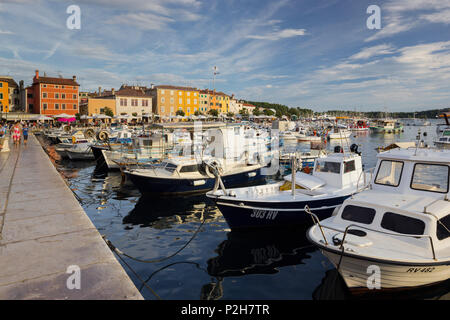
(10, 81)
(127, 92)
(59, 81)
(176, 88)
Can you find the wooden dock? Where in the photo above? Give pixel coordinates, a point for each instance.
(44, 231)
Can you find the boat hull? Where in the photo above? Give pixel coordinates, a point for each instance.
(169, 186)
(253, 214)
(80, 155)
(98, 154)
(358, 277)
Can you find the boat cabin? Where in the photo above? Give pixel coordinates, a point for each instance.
(339, 170)
(409, 217)
(408, 196)
(416, 171)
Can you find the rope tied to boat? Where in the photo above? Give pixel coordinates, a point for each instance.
(118, 251)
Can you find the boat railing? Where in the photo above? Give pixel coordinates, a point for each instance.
(345, 232)
(366, 183)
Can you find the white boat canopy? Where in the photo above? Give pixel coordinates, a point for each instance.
(306, 181)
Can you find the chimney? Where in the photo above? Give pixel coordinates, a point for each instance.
(112, 91)
(99, 91)
(74, 78)
(152, 86)
(36, 76)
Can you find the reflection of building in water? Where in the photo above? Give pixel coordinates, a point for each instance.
(163, 213)
(260, 252)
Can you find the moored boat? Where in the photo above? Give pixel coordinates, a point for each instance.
(396, 234)
(335, 178)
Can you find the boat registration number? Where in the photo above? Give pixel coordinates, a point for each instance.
(414, 270)
(264, 214)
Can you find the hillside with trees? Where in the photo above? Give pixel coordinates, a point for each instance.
(283, 110)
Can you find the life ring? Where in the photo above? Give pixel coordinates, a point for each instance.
(103, 136)
(89, 133)
(214, 164)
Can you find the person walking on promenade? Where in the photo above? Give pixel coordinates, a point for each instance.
(25, 134)
(16, 134)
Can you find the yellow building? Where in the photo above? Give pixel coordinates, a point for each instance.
(167, 100)
(206, 102)
(4, 95)
(97, 105)
(222, 102)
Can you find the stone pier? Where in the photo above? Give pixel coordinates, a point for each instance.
(44, 231)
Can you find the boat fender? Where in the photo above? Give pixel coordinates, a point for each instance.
(198, 182)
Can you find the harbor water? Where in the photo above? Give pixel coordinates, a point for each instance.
(218, 263)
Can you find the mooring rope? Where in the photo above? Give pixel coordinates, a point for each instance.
(118, 251)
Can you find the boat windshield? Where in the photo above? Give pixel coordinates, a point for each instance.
(327, 166)
(443, 228)
(430, 177)
(389, 173)
(168, 166)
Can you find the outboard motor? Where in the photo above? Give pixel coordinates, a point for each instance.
(354, 149)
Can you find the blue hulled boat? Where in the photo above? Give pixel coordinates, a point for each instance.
(335, 178)
(187, 176)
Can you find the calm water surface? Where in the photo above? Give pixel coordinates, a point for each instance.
(218, 263)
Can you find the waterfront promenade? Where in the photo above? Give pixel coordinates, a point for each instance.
(44, 230)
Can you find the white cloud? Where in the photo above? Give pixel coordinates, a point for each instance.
(6, 32)
(405, 15)
(374, 51)
(438, 17)
(281, 34)
(143, 21)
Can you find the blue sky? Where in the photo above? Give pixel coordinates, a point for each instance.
(303, 53)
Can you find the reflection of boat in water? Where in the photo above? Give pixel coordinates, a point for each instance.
(333, 287)
(162, 213)
(260, 252)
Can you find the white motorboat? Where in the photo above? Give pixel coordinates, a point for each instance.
(240, 157)
(76, 144)
(443, 131)
(339, 133)
(443, 140)
(80, 151)
(396, 234)
(335, 178)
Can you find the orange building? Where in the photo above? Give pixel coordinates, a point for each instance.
(51, 96)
